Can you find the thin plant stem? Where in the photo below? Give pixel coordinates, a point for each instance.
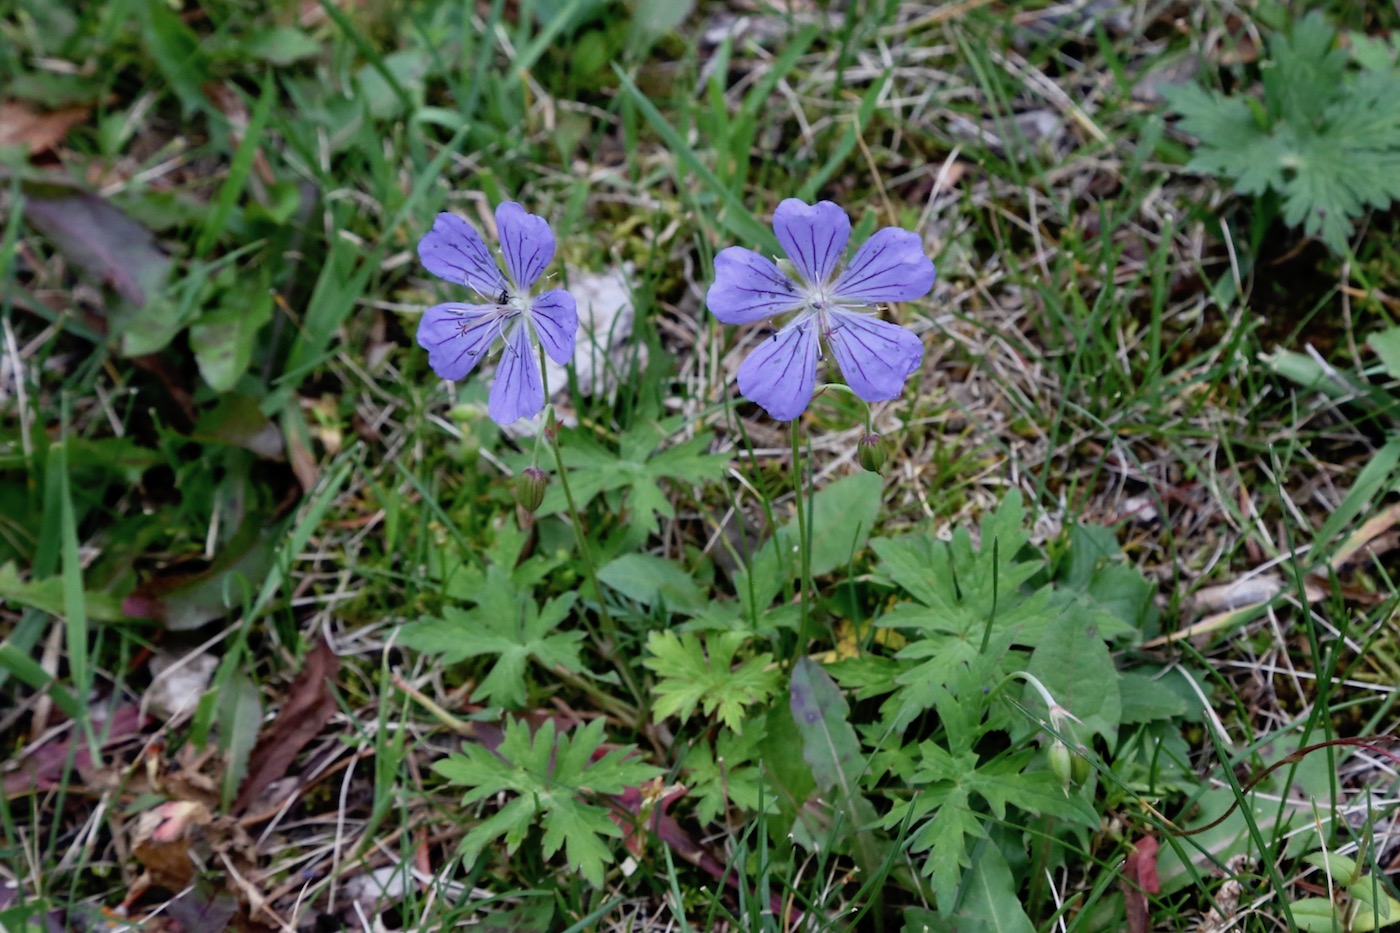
(607, 644)
(804, 548)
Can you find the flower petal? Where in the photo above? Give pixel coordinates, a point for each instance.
(890, 266)
(749, 287)
(518, 391)
(781, 373)
(875, 356)
(457, 336)
(555, 316)
(526, 242)
(454, 251)
(814, 237)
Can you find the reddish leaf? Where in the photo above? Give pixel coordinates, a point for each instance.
(1138, 880)
(43, 768)
(309, 706)
(103, 241)
(637, 806)
(202, 911)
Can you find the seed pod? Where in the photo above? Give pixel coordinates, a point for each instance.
(1061, 763)
(872, 452)
(529, 488)
(1079, 767)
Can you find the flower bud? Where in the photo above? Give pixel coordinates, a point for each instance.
(1062, 763)
(872, 452)
(464, 412)
(1079, 767)
(529, 488)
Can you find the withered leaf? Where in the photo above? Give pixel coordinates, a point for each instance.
(309, 706)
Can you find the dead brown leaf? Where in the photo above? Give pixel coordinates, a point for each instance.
(162, 842)
(47, 766)
(40, 132)
(309, 706)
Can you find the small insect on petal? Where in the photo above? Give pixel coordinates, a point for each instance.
(458, 336)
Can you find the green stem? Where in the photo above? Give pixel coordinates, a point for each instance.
(804, 547)
(586, 555)
(607, 644)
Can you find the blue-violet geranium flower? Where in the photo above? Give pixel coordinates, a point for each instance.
(458, 335)
(875, 356)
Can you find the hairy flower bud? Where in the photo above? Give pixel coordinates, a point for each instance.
(529, 488)
(872, 452)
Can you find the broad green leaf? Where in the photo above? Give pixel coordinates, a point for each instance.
(1386, 344)
(281, 45)
(1372, 906)
(1145, 698)
(843, 515)
(991, 894)
(223, 339)
(654, 581)
(1315, 915)
(1340, 868)
(831, 748)
(1073, 663)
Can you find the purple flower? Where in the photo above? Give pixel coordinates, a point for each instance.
(457, 335)
(874, 355)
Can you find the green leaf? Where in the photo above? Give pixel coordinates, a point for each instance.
(831, 748)
(640, 466)
(843, 515)
(514, 631)
(654, 581)
(1329, 144)
(48, 596)
(174, 48)
(1372, 906)
(1074, 665)
(729, 775)
(240, 719)
(551, 779)
(829, 744)
(701, 673)
(990, 893)
(944, 838)
(1315, 915)
(1145, 698)
(281, 45)
(1341, 869)
(1386, 344)
(223, 339)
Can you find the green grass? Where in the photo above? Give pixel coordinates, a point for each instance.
(217, 435)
